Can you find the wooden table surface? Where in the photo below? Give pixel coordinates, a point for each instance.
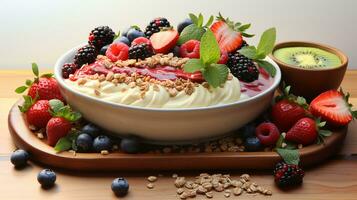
(333, 179)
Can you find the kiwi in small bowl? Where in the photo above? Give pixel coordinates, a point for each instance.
(310, 68)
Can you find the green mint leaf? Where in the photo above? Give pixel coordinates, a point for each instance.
(191, 32)
(200, 20)
(209, 49)
(325, 133)
(267, 41)
(210, 21)
(48, 75)
(63, 144)
(56, 105)
(193, 18)
(215, 74)
(193, 65)
(20, 89)
(244, 27)
(247, 35)
(35, 69)
(249, 52)
(267, 66)
(289, 156)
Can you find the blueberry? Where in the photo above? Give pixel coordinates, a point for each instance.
(176, 51)
(101, 143)
(103, 50)
(122, 39)
(84, 142)
(133, 33)
(120, 186)
(46, 178)
(252, 144)
(130, 145)
(183, 24)
(247, 131)
(19, 158)
(91, 129)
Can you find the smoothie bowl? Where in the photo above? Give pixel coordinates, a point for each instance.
(164, 97)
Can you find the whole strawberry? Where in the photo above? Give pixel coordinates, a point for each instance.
(61, 122)
(45, 86)
(57, 127)
(306, 131)
(333, 107)
(288, 174)
(37, 112)
(288, 110)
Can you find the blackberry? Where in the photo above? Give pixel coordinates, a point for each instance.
(85, 55)
(288, 174)
(140, 51)
(155, 25)
(244, 44)
(101, 36)
(242, 67)
(68, 69)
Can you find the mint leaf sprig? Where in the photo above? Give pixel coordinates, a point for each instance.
(215, 74)
(196, 30)
(237, 26)
(67, 142)
(259, 53)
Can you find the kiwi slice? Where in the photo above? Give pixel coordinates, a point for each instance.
(307, 57)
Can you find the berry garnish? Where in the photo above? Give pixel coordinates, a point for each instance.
(91, 129)
(134, 33)
(288, 174)
(228, 39)
(141, 40)
(242, 67)
(104, 49)
(117, 51)
(333, 107)
(38, 114)
(120, 187)
(46, 178)
(19, 158)
(57, 127)
(68, 69)
(101, 143)
(156, 25)
(247, 131)
(183, 24)
(130, 145)
(190, 49)
(164, 41)
(122, 39)
(267, 133)
(101, 36)
(85, 55)
(140, 51)
(252, 144)
(84, 142)
(43, 87)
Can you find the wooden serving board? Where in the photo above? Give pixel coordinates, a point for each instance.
(45, 154)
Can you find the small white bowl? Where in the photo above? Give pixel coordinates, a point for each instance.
(161, 125)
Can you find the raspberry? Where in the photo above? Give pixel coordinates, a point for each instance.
(117, 51)
(267, 133)
(288, 174)
(190, 49)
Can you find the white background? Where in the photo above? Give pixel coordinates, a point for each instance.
(38, 30)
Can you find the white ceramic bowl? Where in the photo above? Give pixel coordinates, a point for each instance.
(166, 125)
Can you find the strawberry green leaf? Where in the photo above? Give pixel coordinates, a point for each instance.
(249, 52)
(35, 69)
(247, 35)
(325, 133)
(267, 66)
(354, 113)
(244, 27)
(56, 105)
(193, 18)
(280, 141)
(193, 65)
(289, 156)
(267, 41)
(48, 75)
(215, 74)
(209, 22)
(28, 82)
(20, 89)
(209, 49)
(28, 102)
(200, 20)
(63, 144)
(191, 32)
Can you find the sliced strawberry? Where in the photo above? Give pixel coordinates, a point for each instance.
(227, 38)
(332, 106)
(140, 40)
(164, 41)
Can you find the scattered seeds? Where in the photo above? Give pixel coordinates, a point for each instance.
(152, 178)
(150, 185)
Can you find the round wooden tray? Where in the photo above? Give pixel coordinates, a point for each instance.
(45, 154)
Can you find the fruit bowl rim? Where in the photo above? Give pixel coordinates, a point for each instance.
(70, 53)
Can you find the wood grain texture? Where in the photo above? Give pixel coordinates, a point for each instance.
(333, 179)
